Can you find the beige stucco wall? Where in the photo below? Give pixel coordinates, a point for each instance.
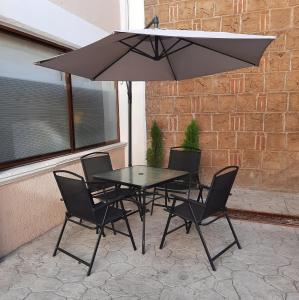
(30, 207)
(104, 14)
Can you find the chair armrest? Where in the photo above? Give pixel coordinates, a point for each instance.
(203, 186)
(105, 203)
(191, 201)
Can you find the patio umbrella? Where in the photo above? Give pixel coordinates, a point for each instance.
(160, 54)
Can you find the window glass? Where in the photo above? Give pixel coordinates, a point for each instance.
(95, 111)
(33, 101)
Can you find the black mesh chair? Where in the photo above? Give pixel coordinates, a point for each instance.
(98, 162)
(79, 204)
(194, 212)
(92, 164)
(180, 159)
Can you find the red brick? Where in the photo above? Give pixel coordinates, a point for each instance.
(227, 103)
(294, 102)
(275, 81)
(206, 158)
(183, 121)
(246, 140)
(254, 83)
(204, 122)
(254, 121)
(227, 140)
(209, 103)
(186, 9)
(246, 102)
(280, 18)
(273, 122)
(220, 122)
(277, 101)
(205, 8)
(182, 105)
(208, 140)
(293, 141)
(220, 158)
(251, 159)
(276, 141)
(292, 121)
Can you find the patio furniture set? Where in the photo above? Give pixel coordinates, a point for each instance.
(96, 201)
(151, 55)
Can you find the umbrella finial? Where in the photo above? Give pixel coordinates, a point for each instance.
(154, 21)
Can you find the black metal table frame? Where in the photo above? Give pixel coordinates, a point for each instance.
(141, 195)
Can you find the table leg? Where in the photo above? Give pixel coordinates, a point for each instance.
(143, 220)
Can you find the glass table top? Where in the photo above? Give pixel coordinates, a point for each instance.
(141, 176)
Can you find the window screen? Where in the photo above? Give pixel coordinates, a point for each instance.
(34, 106)
(95, 111)
(33, 102)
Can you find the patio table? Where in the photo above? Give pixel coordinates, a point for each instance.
(141, 178)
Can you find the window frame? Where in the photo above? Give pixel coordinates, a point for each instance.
(68, 86)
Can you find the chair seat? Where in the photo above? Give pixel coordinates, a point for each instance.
(175, 185)
(113, 214)
(99, 186)
(116, 194)
(183, 211)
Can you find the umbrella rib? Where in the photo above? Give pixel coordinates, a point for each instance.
(151, 43)
(119, 58)
(176, 50)
(175, 78)
(167, 50)
(138, 51)
(220, 52)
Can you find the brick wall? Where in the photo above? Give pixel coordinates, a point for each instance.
(248, 117)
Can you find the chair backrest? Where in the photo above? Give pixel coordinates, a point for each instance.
(182, 159)
(219, 191)
(93, 163)
(76, 197)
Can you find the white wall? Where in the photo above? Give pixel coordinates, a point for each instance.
(135, 20)
(44, 17)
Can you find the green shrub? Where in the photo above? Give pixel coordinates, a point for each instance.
(154, 155)
(191, 136)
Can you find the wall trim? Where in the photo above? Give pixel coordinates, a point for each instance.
(35, 169)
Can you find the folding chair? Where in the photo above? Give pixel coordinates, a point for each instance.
(98, 162)
(180, 159)
(79, 204)
(194, 212)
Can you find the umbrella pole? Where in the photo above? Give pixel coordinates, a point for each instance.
(155, 22)
(129, 93)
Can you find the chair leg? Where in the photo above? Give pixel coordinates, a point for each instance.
(189, 227)
(95, 251)
(128, 226)
(205, 246)
(112, 225)
(186, 226)
(60, 236)
(153, 201)
(233, 231)
(139, 207)
(165, 231)
(166, 198)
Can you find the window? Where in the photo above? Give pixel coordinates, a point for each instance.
(94, 111)
(40, 116)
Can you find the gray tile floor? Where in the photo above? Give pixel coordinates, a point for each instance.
(265, 201)
(266, 268)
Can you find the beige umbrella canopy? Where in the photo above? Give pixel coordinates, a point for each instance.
(158, 54)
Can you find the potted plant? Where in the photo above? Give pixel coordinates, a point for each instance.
(191, 140)
(154, 155)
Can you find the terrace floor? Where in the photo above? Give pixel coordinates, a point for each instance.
(266, 268)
